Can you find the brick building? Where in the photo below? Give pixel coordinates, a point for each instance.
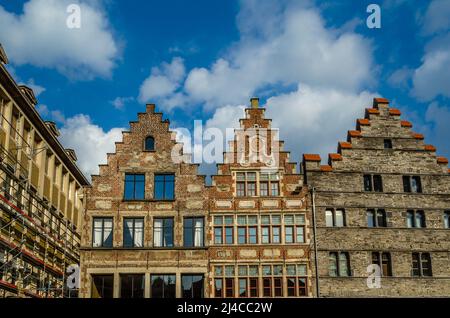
(258, 213)
(41, 198)
(144, 226)
(153, 229)
(383, 199)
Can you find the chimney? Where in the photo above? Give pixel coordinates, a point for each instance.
(254, 102)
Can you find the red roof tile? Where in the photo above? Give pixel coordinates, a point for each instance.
(418, 136)
(381, 100)
(373, 111)
(406, 123)
(326, 168)
(335, 156)
(354, 133)
(311, 157)
(442, 160)
(394, 112)
(430, 148)
(345, 145)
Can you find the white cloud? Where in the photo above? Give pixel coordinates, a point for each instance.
(431, 78)
(119, 102)
(436, 18)
(90, 142)
(162, 84)
(313, 120)
(401, 78)
(40, 36)
(439, 118)
(280, 44)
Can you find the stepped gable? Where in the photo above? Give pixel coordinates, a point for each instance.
(380, 122)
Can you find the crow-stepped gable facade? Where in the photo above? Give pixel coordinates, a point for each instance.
(383, 199)
(378, 216)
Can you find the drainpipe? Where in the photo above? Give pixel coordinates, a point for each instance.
(316, 259)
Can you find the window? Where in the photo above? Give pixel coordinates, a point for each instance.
(163, 232)
(296, 280)
(164, 186)
(132, 286)
(149, 143)
(373, 183)
(415, 219)
(224, 281)
(223, 229)
(133, 232)
(421, 264)
(134, 186)
(339, 264)
(447, 219)
(335, 218)
(269, 184)
(383, 260)
(248, 281)
(388, 144)
(376, 218)
(245, 184)
(247, 229)
(193, 286)
(272, 280)
(102, 286)
(103, 232)
(294, 228)
(270, 229)
(193, 232)
(412, 184)
(163, 286)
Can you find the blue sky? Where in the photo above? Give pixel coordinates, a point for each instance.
(314, 64)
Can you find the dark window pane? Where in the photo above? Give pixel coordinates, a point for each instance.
(102, 286)
(381, 218)
(416, 185)
(415, 264)
(387, 144)
(377, 183)
(426, 264)
(149, 143)
(367, 182)
(218, 287)
(406, 184)
(410, 222)
(192, 286)
(291, 286)
(332, 264)
(132, 286)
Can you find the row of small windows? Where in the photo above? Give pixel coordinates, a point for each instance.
(164, 187)
(161, 286)
(378, 218)
(246, 184)
(163, 232)
(373, 183)
(247, 281)
(271, 229)
(339, 264)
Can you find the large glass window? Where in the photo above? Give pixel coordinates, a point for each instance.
(133, 232)
(248, 281)
(247, 229)
(383, 259)
(415, 219)
(270, 229)
(223, 229)
(335, 218)
(339, 264)
(269, 184)
(224, 281)
(421, 264)
(164, 187)
(163, 286)
(102, 286)
(193, 232)
(193, 286)
(376, 218)
(373, 183)
(103, 232)
(132, 286)
(163, 232)
(134, 186)
(412, 184)
(294, 228)
(296, 280)
(272, 280)
(245, 184)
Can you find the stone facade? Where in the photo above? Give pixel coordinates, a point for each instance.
(381, 201)
(385, 149)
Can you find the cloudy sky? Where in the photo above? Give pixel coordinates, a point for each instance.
(314, 64)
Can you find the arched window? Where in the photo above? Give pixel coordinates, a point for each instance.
(149, 143)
